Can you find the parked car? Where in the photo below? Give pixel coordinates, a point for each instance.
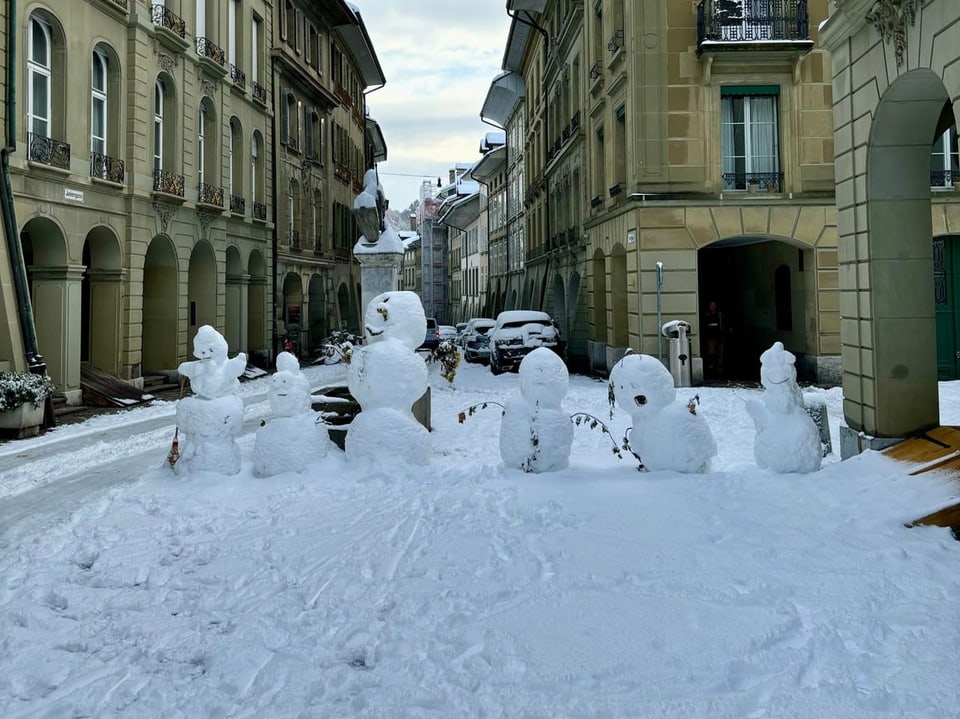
(516, 334)
(447, 332)
(431, 339)
(461, 326)
(476, 344)
(467, 331)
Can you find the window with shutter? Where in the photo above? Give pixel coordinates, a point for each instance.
(308, 139)
(284, 119)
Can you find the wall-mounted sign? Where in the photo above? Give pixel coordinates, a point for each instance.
(74, 195)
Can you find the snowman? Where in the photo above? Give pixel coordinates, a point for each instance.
(665, 435)
(787, 438)
(294, 437)
(386, 376)
(536, 434)
(213, 417)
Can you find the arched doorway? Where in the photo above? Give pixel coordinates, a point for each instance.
(202, 289)
(598, 277)
(55, 292)
(946, 286)
(292, 309)
(101, 296)
(235, 306)
(317, 321)
(558, 302)
(256, 303)
(618, 293)
(343, 305)
(159, 331)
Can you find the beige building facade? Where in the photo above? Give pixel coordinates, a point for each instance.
(141, 184)
(896, 84)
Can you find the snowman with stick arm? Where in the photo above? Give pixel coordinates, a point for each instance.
(665, 435)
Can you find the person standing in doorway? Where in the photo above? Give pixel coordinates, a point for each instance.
(713, 334)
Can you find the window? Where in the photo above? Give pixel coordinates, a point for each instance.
(744, 20)
(201, 147)
(620, 148)
(232, 31)
(750, 138)
(255, 35)
(98, 106)
(945, 160)
(158, 102)
(290, 210)
(201, 29)
(236, 174)
(38, 78)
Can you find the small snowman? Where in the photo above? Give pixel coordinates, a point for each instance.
(213, 417)
(536, 434)
(386, 376)
(293, 437)
(788, 440)
(665, 435)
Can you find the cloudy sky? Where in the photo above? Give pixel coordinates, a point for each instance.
(439, 58)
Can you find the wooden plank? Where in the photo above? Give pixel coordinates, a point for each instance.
(946, 517)
(103, 389)
(927, 447)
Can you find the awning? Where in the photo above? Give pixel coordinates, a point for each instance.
(528, 5)
(358, 41)
(505, 90)
(490, 164)
(517, 40)
(375, 138)
(463, 212)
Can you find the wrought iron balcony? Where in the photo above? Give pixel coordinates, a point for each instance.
(259, 211)
(293, 239)
(944, 178)
(168, 183)
(596, 201)
(575, 121)
(596, 71)
(48, 151)
(238, 205)
(259, 93)
(749, 21)
(210, 195)
(209, 49)
(761, 181)
(616, 189)
(238, 76)
(165, 17)
(106, 167)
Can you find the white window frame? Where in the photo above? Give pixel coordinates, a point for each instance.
(201, 29)
(943, 148)
(158, 101)
(254, 156)
(230, 162)
(43, 71)
(98, 96)
(232, 31)
(201, 143)
(750, 156)
(255, 50)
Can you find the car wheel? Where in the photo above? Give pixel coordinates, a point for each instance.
(494, 365)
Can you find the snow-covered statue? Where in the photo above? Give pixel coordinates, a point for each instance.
(386, 376)
(536, 434)
(213, 417)
(787, 439)
(293, 437)
(665, 434)
(369, 207)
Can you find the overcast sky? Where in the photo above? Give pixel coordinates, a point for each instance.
(439, 58)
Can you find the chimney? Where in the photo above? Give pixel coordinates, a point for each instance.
(413, 223)
(453, 176)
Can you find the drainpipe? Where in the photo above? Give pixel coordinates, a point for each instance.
(11, 233)
(274, 151)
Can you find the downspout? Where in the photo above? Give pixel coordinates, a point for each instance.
(11, 233)
(546, 135)
(273, 200)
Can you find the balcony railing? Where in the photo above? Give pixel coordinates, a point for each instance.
(209, 49)
(238, 76)
(237, 204)
(293, 239)
(210, 195)
(48, 151)
(165, 17)
(106, 167)
(944, 178)
(168, 183)
(752, 21)
(755, 181)
(259, 93)
(259, 211)
(596, 71)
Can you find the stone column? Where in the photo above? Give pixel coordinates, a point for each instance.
(106, 303)
(57, 306)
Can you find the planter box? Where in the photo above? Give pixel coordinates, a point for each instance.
(24, 421)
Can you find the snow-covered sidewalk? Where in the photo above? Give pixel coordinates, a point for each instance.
(467, 590)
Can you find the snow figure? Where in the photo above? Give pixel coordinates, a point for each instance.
(294, 437)
(536, 434)
(666, 435)
(386, 376)
(787, 438)
(212, 418)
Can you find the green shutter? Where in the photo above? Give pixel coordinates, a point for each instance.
(741, 90)
(284, 117)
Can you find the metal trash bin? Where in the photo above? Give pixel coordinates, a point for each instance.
(680, 361)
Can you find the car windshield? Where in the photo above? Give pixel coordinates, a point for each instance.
(523, 323)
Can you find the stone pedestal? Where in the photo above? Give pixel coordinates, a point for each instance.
(379, 265)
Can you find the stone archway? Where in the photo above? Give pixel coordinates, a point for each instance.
(101, 295)
(256, 303)
(160, 310)
(317, 329)
(896, 80)
(235, 306)
(620, 336)
(202, 289)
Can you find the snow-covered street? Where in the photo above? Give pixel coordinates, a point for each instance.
(464, 589)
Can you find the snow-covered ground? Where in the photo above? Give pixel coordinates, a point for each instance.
(467, 590)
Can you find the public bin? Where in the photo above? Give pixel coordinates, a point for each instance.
(680, 361)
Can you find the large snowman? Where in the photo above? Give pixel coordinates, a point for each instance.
(536, 434)
(386, 376)
(213, 417)
(787, 438)
(293, 437)
(666, 435)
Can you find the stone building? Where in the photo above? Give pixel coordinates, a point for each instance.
(141, 179)
(324, 64)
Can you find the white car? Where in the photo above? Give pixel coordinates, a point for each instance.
(516, 334)
(476, 340)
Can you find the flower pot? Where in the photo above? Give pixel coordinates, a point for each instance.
(24, 421)
(752, 187)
